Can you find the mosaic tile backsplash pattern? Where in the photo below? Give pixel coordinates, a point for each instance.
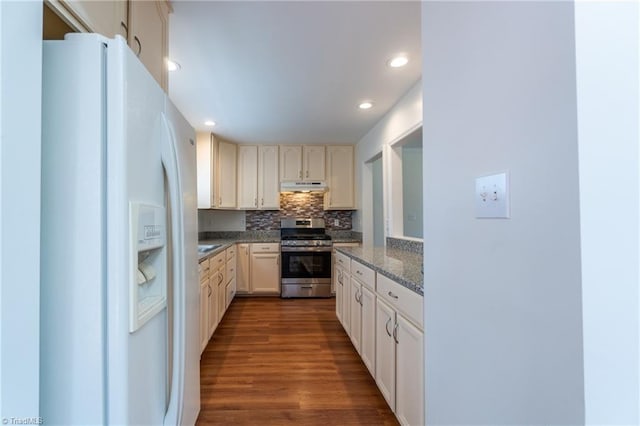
(298, 204)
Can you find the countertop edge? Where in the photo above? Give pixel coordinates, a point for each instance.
(395, 277)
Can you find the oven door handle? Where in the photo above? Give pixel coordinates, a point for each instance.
(306, 249)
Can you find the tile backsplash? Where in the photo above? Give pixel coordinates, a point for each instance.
(298, 204)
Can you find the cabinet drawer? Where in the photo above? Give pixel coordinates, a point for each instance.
(364, 274)
(217, 261)
(203, 269)
(265, 248)
(343, 261)
(231, 252)
(401, 298)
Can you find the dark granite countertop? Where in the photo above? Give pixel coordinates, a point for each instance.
(402, 266)
(346, 240)
(228, 242)
(234, 237)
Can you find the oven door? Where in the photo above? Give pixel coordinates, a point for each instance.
(306, 264)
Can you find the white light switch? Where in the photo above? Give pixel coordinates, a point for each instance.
(492, 196)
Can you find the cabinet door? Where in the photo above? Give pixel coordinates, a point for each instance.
(355, 313)
(148, 21)
(242, 269)
(222, 299)
(346, 300)
(368, 327)
(103, 17)
(204, 309)
(206, 154)
(313, 162)
(212, 313)
(340, 178)
(409, 373)
(337, 283)
(290, 162)
(265, 273)
(268, 179)
(226, 174)
(247, 177)
(386, 352)
(229, 293)
(231, 270)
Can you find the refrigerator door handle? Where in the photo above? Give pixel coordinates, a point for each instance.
(171, 166)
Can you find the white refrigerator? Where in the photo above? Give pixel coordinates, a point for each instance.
(119, 287)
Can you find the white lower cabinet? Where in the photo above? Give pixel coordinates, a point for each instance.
(355, 313)
(205, 294)
(368, 329)
(384, 321)
(257, 268)
(264, 268)
(341, 296)
(385, 352)
(217, 289)
(242, 268)
(358, 308)
(230, 293)
(409, 373)
(400, 350)
(341, 278)
(222, 292)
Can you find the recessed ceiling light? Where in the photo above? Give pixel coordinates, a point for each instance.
(365, 105)
(398, 61)
(172, 65)
(210, 123)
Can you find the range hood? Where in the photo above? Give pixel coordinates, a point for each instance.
(317, 186)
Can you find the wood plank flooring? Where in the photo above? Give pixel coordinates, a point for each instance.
(279, 361)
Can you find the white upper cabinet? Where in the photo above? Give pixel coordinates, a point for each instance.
(226, 175)
(207, 160)
(340, 178)
(247, 177)
(268, 182)
(302, 163)
(290, 162)
(148, 34)
(258, 184)
(103, 17)
(313, 162)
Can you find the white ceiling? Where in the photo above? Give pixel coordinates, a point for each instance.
(291, 72)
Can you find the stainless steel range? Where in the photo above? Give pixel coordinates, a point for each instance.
(306, 258)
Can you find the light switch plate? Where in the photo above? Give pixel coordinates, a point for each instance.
(492, 196)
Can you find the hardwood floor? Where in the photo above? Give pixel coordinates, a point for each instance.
(286, 361)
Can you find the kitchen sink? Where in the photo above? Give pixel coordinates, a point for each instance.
(205, 248)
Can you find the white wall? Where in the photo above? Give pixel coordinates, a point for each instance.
(405, 116)
(20, 86)
(503, 319)
(607, 47)
(221, 220)
(377, 202)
